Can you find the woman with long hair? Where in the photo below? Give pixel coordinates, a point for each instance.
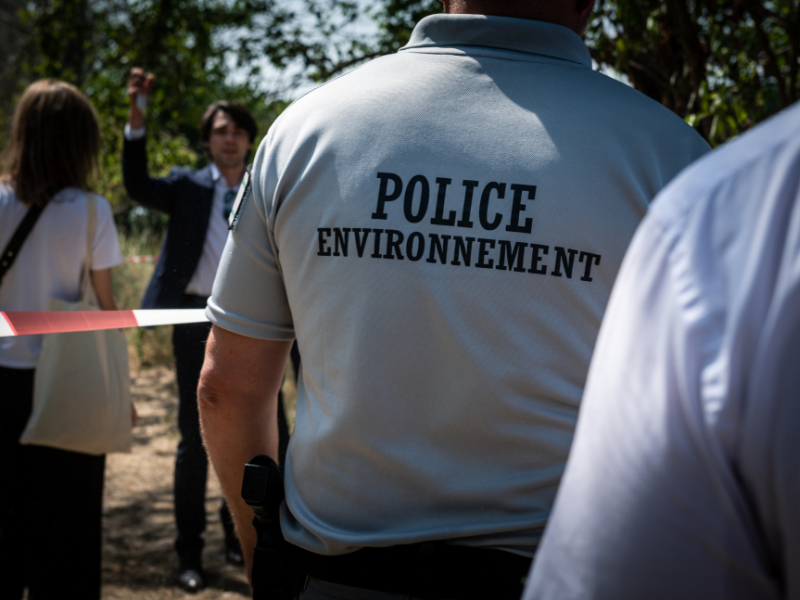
(51, 499)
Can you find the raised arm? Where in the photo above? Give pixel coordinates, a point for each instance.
(148, 191)
(238, 399)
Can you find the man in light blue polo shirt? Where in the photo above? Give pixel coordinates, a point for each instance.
(440, 230)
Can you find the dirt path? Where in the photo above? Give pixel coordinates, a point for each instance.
(138, 523)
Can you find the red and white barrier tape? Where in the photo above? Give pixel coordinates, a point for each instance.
(15, 323)
(141, 259)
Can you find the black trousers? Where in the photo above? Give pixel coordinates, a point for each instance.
(50, 508)
(191, 462)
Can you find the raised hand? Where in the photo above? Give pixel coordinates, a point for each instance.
(139, 84)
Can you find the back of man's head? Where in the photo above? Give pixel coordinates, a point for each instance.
(573, 14)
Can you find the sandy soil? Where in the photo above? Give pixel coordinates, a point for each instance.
(139, 529)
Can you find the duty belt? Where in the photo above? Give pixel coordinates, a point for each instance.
(431, 570)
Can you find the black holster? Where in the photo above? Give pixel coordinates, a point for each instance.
(276, 566)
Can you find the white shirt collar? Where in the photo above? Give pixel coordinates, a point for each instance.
(218, 179)
(215, 174)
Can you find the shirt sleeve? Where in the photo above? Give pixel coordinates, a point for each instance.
(770, 444)
(649, 506)
(249, 296)
(105, 248)
(133, 134)
(780, 498)
(618, 483)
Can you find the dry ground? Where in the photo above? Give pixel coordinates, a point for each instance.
(138, 525)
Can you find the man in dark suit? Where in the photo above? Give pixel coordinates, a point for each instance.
(198, 203)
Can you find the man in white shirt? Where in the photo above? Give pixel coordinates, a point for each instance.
(684, 478)
(198, 203)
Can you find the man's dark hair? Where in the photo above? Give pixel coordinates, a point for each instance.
(240, 115)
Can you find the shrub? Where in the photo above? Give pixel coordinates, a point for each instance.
(152, 346)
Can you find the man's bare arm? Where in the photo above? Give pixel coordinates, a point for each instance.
(238, 399)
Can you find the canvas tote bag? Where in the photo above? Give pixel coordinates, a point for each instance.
(81, 392)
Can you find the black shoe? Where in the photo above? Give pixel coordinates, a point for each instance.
(233, 552)
(191, 580)
(234, 557)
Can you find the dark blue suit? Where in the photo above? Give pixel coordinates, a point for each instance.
(187, 197)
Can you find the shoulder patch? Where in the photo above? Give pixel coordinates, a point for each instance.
(244, 190)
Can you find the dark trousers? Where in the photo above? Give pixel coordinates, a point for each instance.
(50, 507)
(191, 462)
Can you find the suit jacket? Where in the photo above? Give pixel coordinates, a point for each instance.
(186, 196)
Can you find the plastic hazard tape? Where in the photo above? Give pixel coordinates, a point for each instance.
(141, 259)
(15, 323)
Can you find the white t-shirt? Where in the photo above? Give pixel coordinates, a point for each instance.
(440, 229)
(51, 261)
(684, 478)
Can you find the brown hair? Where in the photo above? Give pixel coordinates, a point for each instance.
(238, 113)
(54, 143)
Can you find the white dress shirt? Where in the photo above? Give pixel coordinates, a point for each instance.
(217, 233)
(684, 478)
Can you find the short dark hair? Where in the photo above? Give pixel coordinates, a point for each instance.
(54, 143)
(240, 115)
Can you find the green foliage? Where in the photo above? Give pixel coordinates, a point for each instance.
(94, 44)
(396, 20)
(326, 37)
(147, 346)
(183, 43)
(723, 65)
(62, 31)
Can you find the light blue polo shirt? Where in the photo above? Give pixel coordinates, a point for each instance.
(440, 230)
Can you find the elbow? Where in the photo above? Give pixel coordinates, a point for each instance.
(211, 396)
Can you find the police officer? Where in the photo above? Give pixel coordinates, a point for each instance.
(439, 230)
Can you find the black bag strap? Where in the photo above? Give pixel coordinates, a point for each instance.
(12, 249)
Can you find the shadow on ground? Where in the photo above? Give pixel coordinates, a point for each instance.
(139, 530)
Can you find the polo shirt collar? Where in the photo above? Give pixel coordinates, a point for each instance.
(501, 33)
